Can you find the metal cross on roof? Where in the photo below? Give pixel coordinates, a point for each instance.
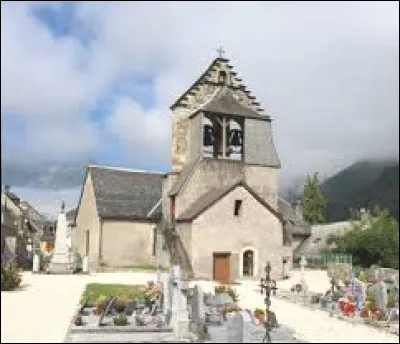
(220, 52)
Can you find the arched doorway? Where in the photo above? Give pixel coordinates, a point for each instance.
(248, 263)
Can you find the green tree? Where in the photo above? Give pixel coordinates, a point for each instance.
(313, 200)
(373, 239)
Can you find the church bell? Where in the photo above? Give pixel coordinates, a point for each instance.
(208, 137)
(236, 137)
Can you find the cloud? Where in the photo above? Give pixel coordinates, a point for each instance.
(145, 134)
(326, 72)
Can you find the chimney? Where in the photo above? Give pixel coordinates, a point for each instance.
(298, 210)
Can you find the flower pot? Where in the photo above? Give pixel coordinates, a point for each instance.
(260, 317)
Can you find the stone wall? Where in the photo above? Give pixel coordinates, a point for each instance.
(259, 148)
(87, 219)
(127, 242)
(218, 230)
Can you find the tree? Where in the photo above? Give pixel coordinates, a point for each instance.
(373, 239)
(313, 200)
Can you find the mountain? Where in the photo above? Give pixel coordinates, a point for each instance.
(42, 176)
(362, 185)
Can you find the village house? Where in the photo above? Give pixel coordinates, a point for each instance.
(217, 213)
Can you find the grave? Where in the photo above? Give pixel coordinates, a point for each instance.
(165, 320)
(351, 302)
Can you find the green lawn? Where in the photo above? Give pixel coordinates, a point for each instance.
(94, 290)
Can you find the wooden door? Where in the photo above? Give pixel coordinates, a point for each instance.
(221, 267)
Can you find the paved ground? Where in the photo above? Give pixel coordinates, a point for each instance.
(41, 312)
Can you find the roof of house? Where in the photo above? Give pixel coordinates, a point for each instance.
(183, 177)
(299, 226)
(126, 194)
(319, 236)
(71, 215)
(225, 103)
(214, 195)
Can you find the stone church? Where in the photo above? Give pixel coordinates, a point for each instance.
(217, 213)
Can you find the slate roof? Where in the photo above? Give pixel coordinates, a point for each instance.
(214, 195)
(300, 227)
(225, 103)
(183, 177)
(126, 194)
(71, 215)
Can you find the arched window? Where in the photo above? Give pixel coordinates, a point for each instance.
(248, 263)
(222, 77)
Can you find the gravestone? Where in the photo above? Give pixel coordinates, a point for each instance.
(36, 263)
(304, 285)
(360, 293)
(182, 318)
(241, 329)
(198, 309)
(107, 311)
(166, 302)
(379, 291)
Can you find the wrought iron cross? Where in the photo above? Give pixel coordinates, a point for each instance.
(267, 285)
(220, 52)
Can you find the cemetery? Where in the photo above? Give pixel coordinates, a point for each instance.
(166, 311)
(371, 299)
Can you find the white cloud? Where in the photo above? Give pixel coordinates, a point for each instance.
(145, 134)
(327, 72)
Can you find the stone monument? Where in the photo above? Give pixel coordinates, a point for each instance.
(303, 282)
(61, 261)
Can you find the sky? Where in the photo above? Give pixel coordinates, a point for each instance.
(88, 81)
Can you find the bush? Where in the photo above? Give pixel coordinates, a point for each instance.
(10, 276)
(121, 303)
(227, 289)
(101, 303)
(120, 320)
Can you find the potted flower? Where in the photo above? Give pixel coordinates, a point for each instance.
(259, 314)
(121, 303)
(120, 320)
(100, 305)
(77, 320)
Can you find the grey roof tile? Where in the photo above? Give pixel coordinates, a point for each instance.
(183, 177)
(299, 226)
(126, 194)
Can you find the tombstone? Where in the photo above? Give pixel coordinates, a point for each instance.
(107, 311)
(304, 285)
(198, 309)
(165, 283)
(36, 263)
(175, 295)
(241, 329)
(360, 293)
(85, 264)
(182, 326)
(379, 290)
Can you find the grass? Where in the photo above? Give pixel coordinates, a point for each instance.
(94, 290)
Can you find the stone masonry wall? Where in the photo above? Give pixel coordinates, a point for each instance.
(218, 230)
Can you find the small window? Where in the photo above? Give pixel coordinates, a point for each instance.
(222, 77)
(238, 205)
